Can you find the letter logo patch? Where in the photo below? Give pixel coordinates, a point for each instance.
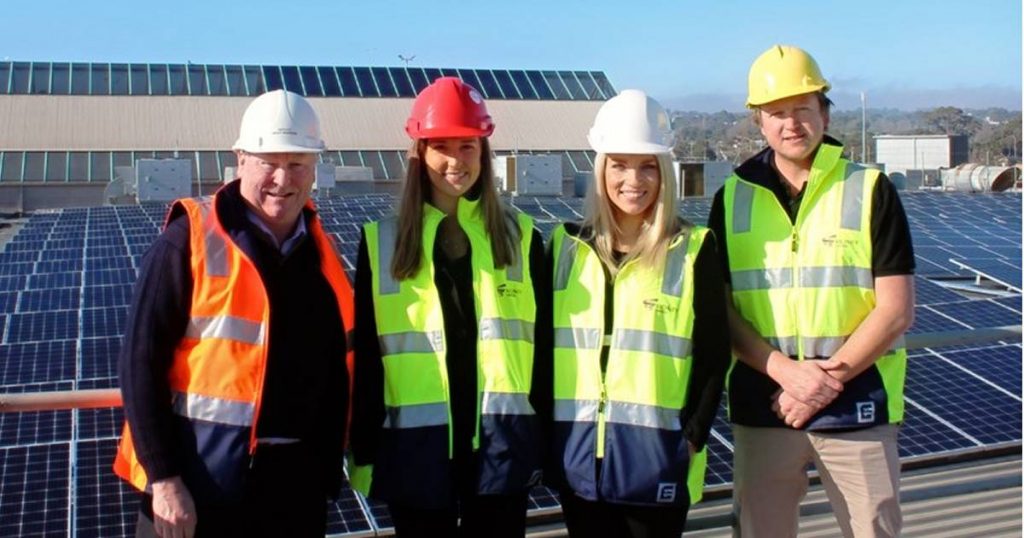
(666, 492)
(865, 412)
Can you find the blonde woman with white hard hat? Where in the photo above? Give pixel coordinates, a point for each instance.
(640, 340)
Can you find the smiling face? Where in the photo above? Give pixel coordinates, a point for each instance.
(276, 186)
(453, 166)
(632, 183)
(794, 127)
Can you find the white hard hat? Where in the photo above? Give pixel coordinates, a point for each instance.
(631, 122)
(280, 122)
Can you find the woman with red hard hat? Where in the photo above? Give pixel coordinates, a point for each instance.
(444, 427)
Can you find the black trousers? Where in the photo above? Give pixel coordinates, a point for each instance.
(494, 516)
(284, 496)
(599, 519)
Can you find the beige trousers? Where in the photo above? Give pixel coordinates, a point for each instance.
(859, 469)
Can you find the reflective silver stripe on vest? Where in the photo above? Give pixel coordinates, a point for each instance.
(566, 257)
(416, 416)
(762, 279)
(651, 342)
(226, 327)
(742, 207)
(836, 277)
(785, 344)
(577, 338)
(211, 409)
(810, 277)
(647, 416)
(411, 342)
(822, 346)
(675, 268)
(853, 197)
(514, 272)
(505, 403)
(506, 329)
(575, 410)
(387, 231)
(216, 249)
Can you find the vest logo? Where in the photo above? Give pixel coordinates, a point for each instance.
(865, 412)
(833, 241)
(666, 492)
(659, 306)
(508, 290)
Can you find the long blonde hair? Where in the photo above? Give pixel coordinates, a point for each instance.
(660, 225)
(409, 241)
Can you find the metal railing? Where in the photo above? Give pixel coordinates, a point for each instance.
(96, 398)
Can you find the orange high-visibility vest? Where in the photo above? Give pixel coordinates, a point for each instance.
(217, 373)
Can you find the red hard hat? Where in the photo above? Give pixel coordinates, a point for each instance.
(449, 108)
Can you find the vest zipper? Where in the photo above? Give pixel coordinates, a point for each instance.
(601, 420)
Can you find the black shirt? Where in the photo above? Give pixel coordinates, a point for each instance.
(891, 250)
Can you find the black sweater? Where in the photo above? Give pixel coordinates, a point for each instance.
(306, 383)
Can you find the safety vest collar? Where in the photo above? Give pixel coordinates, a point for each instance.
(466, 210)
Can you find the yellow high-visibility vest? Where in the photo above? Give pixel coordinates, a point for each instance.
(410, 328)
(629, 416)
(805, 286)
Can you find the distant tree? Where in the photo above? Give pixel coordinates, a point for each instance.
(998, 144)
(951, 121)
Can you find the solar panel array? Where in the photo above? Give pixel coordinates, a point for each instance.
(65, 283)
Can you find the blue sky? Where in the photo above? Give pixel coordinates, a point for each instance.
(690, 54)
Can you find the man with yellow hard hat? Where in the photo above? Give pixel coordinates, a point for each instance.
(820, 275)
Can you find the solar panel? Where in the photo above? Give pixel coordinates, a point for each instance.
(42, 326)
(927, 320)
(106, 505)
(922, 434)
(54, 280)
(927, 292)
(346, 516)
(60, 330)
(996, 365)
(34, 428)
(49, 299)
(8, 301)
(982, 313)
(103, 321)
(965, 403)
(100, 424)
(1002, 271)
(34, 483)
(37, 362)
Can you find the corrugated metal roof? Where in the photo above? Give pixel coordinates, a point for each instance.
(29, 122)
(980, 498)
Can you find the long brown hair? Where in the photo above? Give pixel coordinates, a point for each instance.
(409, 242)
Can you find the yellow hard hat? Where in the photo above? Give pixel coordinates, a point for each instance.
(783, 71)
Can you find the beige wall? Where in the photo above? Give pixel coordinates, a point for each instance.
(118, 123)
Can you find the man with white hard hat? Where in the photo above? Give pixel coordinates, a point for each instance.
(233, 367)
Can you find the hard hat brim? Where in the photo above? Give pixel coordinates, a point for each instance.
(632, 148)
(752, 103)
(276, 148)
(449, 132)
